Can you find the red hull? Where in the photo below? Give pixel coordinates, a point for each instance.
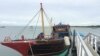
(20, 46)
(41, 47)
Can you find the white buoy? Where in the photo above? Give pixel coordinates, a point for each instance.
(67, 41)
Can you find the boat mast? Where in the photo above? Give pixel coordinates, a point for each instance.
(42, 18)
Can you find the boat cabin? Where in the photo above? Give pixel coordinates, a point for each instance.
(61, 30)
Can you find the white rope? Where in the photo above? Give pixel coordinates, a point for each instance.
(31, 49)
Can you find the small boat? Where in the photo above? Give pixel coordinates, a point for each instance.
(43, 45)
(2, 26)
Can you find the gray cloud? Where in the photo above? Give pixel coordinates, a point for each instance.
(68, 11)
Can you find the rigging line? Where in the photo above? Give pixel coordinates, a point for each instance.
(27, 24)
(36, 26)
(46, 16)
(48, 19)
(33, 36)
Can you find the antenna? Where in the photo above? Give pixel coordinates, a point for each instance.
(51, 21)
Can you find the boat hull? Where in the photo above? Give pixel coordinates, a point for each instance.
(37, 47)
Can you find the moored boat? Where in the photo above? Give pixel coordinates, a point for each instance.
(43, 45)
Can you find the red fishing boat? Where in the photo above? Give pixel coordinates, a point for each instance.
(43, 45)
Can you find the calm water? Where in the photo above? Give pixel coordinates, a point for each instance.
(13, 32)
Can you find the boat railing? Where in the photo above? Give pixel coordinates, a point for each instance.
(93, 41)
(82, 48)
(7, 39)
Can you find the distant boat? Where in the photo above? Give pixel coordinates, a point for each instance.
(43, 45)
(2, 26)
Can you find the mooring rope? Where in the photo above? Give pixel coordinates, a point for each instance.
(31, 49)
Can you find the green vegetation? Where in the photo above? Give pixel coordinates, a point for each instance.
(88, 26)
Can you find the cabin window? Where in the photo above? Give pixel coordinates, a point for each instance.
(63, 34)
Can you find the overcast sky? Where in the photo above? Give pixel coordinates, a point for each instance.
(73, 12)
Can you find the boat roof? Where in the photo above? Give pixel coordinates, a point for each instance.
(60, 25)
